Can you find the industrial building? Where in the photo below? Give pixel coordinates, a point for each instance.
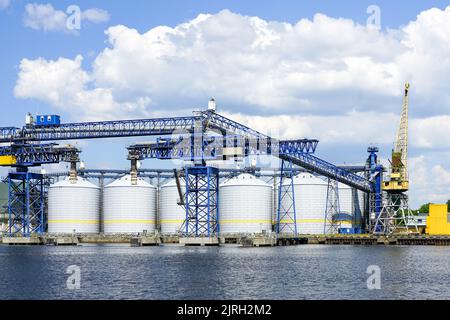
(247, 203)
(438, 220)
(306, 195)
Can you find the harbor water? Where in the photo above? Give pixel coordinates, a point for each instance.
(227, 272)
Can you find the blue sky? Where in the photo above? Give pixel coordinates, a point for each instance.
(346, 107)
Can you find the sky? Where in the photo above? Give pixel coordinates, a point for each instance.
(329, 70)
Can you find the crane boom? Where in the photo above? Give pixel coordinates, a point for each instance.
(398, 181)
(401, 144)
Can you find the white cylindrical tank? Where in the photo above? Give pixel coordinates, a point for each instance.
(245, 205)
(171, 215)
(128, 208)
(74, 207)
(310, 194)
(346, 206)
(359, 207)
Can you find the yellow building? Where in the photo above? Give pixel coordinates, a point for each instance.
(437, 221)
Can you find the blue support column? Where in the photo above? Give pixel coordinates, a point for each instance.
(25, 203)
(202, 201)
(287, 215)
(376, 176)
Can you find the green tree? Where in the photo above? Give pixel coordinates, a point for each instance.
(425, 208)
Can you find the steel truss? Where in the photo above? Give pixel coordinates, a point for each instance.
(28, 155)
(25, 203)
(287, 214)
(101, 129)
(332, 209)
(296, 156)
(202, 202)
(393, 216)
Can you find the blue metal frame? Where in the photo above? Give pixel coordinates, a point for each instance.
(212, 147)
(25, 203)
(296, 156)
(28, 155)
(375, 171)
(287, 211)
(202, 201)
(101, 129)
(8, 134)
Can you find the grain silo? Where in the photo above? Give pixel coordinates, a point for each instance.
(171, 214)
(359, 208)
(245, 205)
(310, 194)
(345, 219)
(74, 207)
(129, 208)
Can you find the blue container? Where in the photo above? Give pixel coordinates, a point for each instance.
(356, 230)
(345, 231)
(48, 120)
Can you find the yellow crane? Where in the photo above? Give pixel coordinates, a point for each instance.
(398, 180)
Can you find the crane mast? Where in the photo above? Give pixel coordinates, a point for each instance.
(393, 210)
(398, 181)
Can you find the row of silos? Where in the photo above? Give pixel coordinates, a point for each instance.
(74, 207)
(310, 195)
(247, 205)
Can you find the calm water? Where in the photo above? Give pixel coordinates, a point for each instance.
(172, 272)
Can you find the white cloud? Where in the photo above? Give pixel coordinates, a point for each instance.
(4, 4)
(430, 182)
(324, 66)
(95, 15)
(66, 86)
(325, 78)
(45, 17)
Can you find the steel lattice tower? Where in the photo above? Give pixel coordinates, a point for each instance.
(394, 214)
(287, 215)
(202, 199)
(25, 203)
(332, 209)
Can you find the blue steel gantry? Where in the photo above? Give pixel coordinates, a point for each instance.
(199, 138)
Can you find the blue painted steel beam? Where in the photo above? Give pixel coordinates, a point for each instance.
(7, 134)
(212, 148)
(25, 203)
(103, 129)
(28, 155)
(202, 201)
(295, 151)
(307, 161)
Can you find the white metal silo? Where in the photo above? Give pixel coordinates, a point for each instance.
(129, 208)
(359, 207)
(346, 206)
(171, 214)
(310, 194)
(245, 205)
(74, 207)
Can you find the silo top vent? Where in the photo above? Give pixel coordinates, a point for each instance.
(212, 105)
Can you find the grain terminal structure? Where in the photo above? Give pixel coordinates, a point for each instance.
(247, 205)
(199, 141)
(129, 208)
(74, 207)
(171, 213)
